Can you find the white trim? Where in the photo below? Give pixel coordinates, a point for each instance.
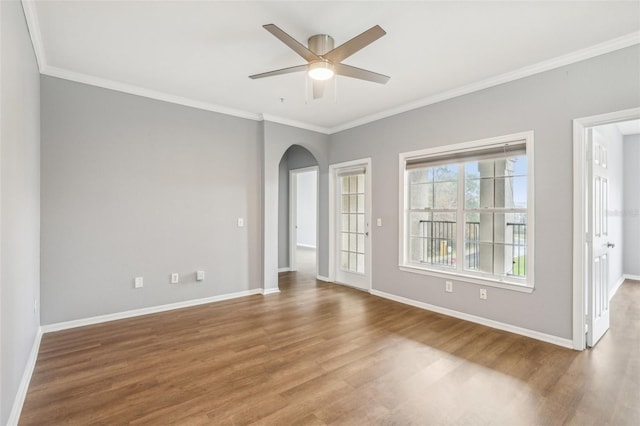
(293, 220)
(478, 320)
(145, 311)
(322, 278)
(540, 67)
(309, 246)
(632, 277)
(614, 288)
(267, 291)
(579, 220)
(18, 402)
(295, 123)
(463, 147)
(560, 61)
(144, 92)
(285, 269)
(33, 26)
(333, 170)
(456, 276)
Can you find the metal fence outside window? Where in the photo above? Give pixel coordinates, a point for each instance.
(438, 244)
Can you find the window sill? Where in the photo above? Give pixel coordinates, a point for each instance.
(468, 279)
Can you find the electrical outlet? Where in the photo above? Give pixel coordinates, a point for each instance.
(200, 276)
(483, 293)
(138, 282)
(448, 286)
(175, 278)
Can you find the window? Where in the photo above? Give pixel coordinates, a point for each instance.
(467, 210)
(352, 223)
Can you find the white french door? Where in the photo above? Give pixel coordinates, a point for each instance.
(598, 293)
(351, 219)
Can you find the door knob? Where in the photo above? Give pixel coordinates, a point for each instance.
(610, 245)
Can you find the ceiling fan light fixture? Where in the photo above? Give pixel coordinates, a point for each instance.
(321, 70)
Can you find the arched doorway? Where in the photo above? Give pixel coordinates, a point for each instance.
(277, 140)
(297, 216)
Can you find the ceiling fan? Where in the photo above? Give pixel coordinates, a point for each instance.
(323, 60)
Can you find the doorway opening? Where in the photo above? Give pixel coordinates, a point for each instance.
(297, 218)
(606, 218)
(303, 220)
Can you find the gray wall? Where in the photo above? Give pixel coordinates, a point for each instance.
(20, 201)
(545, 103)
(138, 187)
(277, 139)
(296, 157)
(632, 205)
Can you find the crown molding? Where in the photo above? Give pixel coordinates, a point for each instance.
(560, 61)
(147, 93)
(294, 123)
(33, 26)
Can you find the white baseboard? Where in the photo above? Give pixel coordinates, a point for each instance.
(567, 343)
(285, 269)
(308, 246)
(325, 279)
(18, 402)
(266, 291)
(616, 286)
(632, 277)
(145, 311)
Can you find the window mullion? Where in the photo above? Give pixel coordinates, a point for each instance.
(460, 257)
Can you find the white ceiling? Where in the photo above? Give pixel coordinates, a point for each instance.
(201, 53)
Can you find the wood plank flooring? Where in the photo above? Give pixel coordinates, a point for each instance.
(322, 354)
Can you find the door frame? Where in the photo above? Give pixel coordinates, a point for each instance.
(293, 214)
(581, 183)
(333, 176)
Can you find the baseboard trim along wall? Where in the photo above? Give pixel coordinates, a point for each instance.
(146, 311)
(266, 291)
(285, 269)
(321, 278)
(566, 343)
(18, 402)
(616, 286)
(632, 277)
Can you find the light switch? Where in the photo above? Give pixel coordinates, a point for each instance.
(199, 275)
(175, 278)
(240, 222)
(138, 282)
(379, 221)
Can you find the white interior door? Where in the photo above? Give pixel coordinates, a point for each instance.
(352, 219)
(598, 293)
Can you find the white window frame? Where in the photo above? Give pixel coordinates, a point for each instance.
(516, 284)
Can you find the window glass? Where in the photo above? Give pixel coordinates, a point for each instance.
(490, 226)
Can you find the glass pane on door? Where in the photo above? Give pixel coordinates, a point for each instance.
(352, 225)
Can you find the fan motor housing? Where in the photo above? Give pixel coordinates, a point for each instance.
(320, 44)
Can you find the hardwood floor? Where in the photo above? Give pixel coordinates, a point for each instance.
(321, 354)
